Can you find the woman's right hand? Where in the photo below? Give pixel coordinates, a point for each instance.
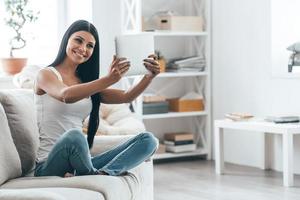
(118, 68)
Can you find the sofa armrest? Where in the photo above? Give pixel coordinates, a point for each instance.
(106, 142)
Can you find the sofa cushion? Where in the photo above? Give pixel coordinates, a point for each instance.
(106, 142)
(10, 164)
(26, 78)
(117, 119)
(114, 112)
(127, 126)
(111, 187)
(20, 112)
(50, 194)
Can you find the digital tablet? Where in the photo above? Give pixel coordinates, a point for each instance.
(135, 48)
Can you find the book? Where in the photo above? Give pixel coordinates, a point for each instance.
(148, 98)
(189, 59)
(181, 142)
(186, 64)
(283, 119)
(238, 116)
(181, 148)
(178, 136)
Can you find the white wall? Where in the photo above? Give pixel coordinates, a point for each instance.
(107, 19)
(285, 31)
(242, 78)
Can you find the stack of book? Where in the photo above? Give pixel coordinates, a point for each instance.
(238, 116)
(155, 104)
(179, 142)
(195, 63)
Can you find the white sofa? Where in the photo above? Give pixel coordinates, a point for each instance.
(18, 146)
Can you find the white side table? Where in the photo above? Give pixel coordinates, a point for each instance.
(287, 131)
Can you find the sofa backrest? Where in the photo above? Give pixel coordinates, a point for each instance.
(20, 112)
(10, 164)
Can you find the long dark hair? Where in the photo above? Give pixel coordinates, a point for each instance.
(86, 72)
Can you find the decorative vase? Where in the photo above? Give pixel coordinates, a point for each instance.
(13, 65)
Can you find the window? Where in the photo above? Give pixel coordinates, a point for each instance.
(41, 36)
(43, 47)
(44, 36)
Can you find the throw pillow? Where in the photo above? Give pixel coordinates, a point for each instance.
(10, 164)
(118, 112)
(126, 126)
(20, 112)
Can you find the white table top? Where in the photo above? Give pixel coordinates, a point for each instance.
(259, 125)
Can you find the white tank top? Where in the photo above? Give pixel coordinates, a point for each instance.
(55, 117)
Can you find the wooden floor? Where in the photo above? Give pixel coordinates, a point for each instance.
(196, 180)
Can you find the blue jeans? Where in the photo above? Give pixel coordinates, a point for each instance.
(71, 154)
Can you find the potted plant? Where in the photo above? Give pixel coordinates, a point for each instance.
(18, 14)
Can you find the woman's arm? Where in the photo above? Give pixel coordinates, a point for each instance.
(114, 96)
(48, 83)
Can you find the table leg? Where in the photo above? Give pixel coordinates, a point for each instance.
(266, 155)
(287, 145)
(219, 150)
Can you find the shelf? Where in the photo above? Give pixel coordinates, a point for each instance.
(180, 74)
(175, 74)
(174, 114)
(198, 152)
(173, 33)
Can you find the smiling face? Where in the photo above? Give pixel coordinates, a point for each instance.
(80, 47)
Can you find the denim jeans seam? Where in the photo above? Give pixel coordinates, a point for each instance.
(84, 163)
(48, 162)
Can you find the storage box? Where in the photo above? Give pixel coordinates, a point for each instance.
(156, 107)
(186, 105)
(180, 23)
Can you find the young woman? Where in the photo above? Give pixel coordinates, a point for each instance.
(69, 90)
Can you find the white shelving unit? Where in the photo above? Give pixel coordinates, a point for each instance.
(193, 43)
(174, 114)
(169, 33)
(179, 74)
(200, 151)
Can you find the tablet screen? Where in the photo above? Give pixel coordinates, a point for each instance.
(135, 48)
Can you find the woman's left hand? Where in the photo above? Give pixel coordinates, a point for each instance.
(152, 66)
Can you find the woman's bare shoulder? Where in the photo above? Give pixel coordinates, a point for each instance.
(44, 77)
(45, 73)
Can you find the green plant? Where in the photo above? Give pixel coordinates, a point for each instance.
(18, 14)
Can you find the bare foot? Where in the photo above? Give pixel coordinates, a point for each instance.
(101, 173)
(67, 175)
